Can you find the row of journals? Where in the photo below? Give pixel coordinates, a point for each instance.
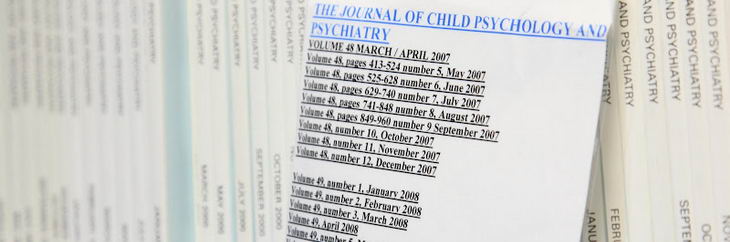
(84, 144)
(662, 162)
(131, 120)
(367, 120)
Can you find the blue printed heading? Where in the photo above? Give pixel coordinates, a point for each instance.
(356, 20)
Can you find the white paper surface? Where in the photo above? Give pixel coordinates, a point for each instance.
(540, 104)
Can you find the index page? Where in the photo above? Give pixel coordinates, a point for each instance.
(452, 121)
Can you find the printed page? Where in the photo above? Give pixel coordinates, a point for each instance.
(420, 124)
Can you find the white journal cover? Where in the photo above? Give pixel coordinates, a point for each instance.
(451, 121)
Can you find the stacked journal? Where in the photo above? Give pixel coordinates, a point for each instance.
(664, 132)
(364, 121)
